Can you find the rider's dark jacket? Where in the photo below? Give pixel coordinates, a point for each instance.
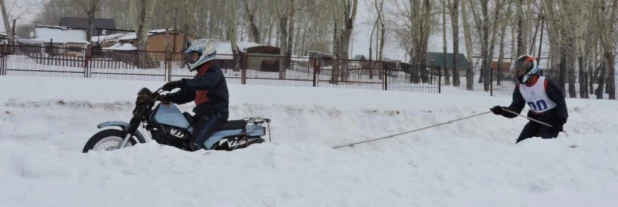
(208, 89)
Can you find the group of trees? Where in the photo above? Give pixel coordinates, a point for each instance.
(580, 35)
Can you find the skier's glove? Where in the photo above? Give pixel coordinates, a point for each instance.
(172, 85)
(497, 110)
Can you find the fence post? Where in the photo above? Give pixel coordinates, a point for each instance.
(491, 82)
(384, 66)
(440, 78)
(243, 68)
(86, 60)
(3, 57)
(168, 65)
(316, 67)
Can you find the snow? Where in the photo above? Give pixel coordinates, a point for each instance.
(107, 37)
(119, 46)
(225, 47)
(473, 162)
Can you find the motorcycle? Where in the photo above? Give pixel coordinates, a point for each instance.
(168, 125)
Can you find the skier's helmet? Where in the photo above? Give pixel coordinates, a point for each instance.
(200, 52)
(524, 68)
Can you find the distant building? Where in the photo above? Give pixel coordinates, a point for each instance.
(65, 41)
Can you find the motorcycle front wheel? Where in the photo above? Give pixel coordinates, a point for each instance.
(107, 140)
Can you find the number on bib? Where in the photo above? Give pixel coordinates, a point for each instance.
(539, 106)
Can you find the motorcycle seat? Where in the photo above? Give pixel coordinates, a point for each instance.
(230, 125)
(234, 124)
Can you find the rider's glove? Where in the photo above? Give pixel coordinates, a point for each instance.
(172, 85)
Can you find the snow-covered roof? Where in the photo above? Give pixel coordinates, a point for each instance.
(106, 37)
(132, 35)
(118, 46)
(226, 47)
(59, 35)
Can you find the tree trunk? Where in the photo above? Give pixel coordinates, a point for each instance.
(455, 31)
(601, 79)
(232, 36)
(469, 46)
(7, 26)
(334, 76)
(290, 42)
(349, 13)
(484, 46)
(255, 32)
(283, 43)
(521, 46)
(444, 43)
(141, 24)
(582, 78)
(371, 67)
(492, 42)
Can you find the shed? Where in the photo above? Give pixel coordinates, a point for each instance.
(106, 25)
(436, 59)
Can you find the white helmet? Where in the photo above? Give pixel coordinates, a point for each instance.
(206, 50)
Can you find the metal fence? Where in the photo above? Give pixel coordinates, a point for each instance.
(247, 69)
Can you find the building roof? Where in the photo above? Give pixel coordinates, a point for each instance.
(359, 57)
(82, 23)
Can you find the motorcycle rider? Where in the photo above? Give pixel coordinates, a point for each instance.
(208, 89)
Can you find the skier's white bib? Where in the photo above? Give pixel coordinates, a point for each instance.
(536, 97)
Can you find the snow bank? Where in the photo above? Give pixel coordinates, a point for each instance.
(470, 163)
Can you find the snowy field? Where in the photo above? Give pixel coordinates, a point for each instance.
(45, 121)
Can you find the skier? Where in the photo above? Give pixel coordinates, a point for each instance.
(208, 89)
(543, 96)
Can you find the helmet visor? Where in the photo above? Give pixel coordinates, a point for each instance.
(191, 57)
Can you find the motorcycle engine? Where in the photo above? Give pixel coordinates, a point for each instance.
(173, 136)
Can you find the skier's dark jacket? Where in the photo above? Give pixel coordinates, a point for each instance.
(208, 89)
(559, 113)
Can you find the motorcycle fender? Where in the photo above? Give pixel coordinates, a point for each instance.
(121, 124)
(124, 126)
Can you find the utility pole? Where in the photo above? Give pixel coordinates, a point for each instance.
(175, 29)
(13, 33)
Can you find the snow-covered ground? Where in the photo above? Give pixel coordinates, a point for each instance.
(45, 121)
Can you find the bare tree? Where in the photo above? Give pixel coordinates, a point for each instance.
(250, 11)
(290, 42)
(468, 43)
(344, 13)
(444, 49)
(7, 27)
(89, 7)
(482, 24)
(379, 6)
(9, 14)
(454, 11)
(141, 22)
(607, 39)
(414, 34)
